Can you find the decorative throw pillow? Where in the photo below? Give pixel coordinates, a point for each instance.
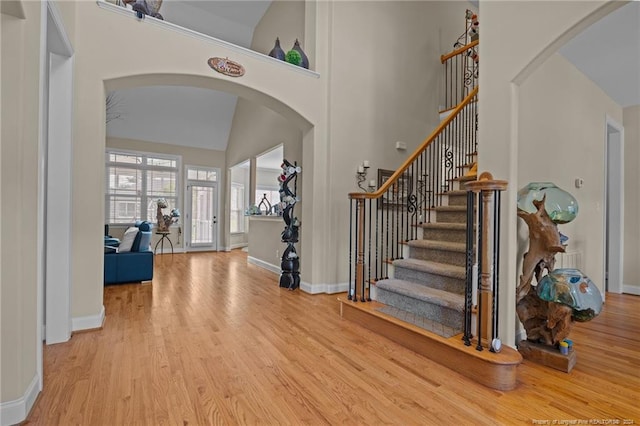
(127, 239)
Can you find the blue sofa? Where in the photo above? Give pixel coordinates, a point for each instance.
(130, 266)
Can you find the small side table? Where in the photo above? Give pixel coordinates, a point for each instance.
(165, 236)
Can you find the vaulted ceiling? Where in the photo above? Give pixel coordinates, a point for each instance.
(608, 52)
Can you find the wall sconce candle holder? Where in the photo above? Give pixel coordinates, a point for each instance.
(361, 177)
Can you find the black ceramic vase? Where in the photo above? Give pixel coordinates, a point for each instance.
(305, 60)
(277, 51)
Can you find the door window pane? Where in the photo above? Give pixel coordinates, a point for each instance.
(202, 214)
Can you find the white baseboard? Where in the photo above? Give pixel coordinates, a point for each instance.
(13, 412)
(89, 322)
(337, 288)
(261, 263)
(631, 289)
(237, 246)
(304, 286)
(323, 288)
(312, 289)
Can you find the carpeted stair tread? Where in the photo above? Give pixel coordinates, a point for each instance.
(422, 293)
(446, 225)
(438, 245)
(443, 269)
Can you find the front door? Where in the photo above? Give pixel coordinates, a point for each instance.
(202, 215)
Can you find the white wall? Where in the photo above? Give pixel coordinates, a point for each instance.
(255, 128)
(631, 263)
(385, 84)
(382, 60)
(562, 137)
(67, 11)
(20, 173)
(172, 58)
(508, 56)
(265, 244)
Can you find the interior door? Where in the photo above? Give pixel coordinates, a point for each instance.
(202, 220)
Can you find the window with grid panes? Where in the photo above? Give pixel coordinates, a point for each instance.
(135, 181)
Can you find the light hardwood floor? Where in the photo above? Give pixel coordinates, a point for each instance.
(214, 340)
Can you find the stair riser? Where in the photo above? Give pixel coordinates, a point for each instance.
(443, 315)
(450, 235)
(444, 216)
(428, 279)
(457, 200)
(441, 256)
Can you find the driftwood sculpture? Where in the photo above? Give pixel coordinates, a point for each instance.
(546, 322)
(165, 220)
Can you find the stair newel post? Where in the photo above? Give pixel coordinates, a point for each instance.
(488, 221)
(349, 293)
(480, 319)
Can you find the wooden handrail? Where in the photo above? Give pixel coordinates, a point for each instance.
(398, 173)
(459, 51)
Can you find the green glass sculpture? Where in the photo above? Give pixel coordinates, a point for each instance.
(561, 206)
(293, 57)
(572, 288)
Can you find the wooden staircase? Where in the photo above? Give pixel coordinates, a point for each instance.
(409, 278)
(430, 280)
(422, 306)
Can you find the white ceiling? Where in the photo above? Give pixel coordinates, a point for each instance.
(185, 116)
(608, 53)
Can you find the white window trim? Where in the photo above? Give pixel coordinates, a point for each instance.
(244, 190)
(177, 169)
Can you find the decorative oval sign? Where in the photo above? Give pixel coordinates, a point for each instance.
(226, 66)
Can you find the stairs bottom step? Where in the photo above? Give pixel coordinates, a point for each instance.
(494, 370)
(441, 306)
(420, 321)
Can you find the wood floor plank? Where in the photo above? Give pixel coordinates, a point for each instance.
(214, 341)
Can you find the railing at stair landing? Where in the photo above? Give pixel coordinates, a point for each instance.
(382, 221)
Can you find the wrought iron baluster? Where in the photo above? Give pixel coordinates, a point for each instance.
(480, 251)
(496, 266)
(469, 271)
